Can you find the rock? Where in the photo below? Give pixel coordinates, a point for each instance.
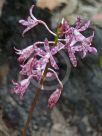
(53, 4)
(97, 19)
(4, 129)
(60, 127)
(1, 5)
(84, 8)
(59, 13)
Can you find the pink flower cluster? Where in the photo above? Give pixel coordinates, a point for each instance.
(33, 59)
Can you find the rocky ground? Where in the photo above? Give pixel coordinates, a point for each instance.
(79, 111)
(69, 9)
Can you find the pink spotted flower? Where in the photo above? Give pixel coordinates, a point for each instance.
(20, 88)
(73, 36)
(33, 59)
(24, 54)
(30, 22)
(26, 69)
(48, 53)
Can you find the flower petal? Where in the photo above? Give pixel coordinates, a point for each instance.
(21, 87)
(53, 62)
(78, 23)
(39, 51)
(28, 67)
(89, 39)
(92, 49)
(85, 26)
(28, 28)
(57, 48)
(25, 53)
(72, 56)
(30, 23)
(49, 74)
(46, 45)
(24, 22)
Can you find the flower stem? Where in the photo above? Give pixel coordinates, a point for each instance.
(35, 101)
(43, 23)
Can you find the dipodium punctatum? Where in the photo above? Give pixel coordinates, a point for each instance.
(33, 66)
(39, 63)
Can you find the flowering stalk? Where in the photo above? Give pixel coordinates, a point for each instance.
(38, 93)
(39, 63)
(35, 100)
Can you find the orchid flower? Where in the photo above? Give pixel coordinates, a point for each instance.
(70, 42)
(32, 21)
(21, 87)
(78, 23)
(29, 23)
(28, 67)
(48, 53)
(84, 47)
(34, 67)
(73, 36)
(24, 53)
(82, 26)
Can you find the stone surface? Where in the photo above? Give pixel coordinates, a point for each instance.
(1, 5)
(73, 8)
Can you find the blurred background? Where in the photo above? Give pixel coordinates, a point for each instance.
(79, 110)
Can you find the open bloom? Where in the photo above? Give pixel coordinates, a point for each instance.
(20, 88)
(71, 54)
(28, 67)
(85, 46)
(76, 42)
(82, 26)
(24, 53)
(47, 54)
(30, 22)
